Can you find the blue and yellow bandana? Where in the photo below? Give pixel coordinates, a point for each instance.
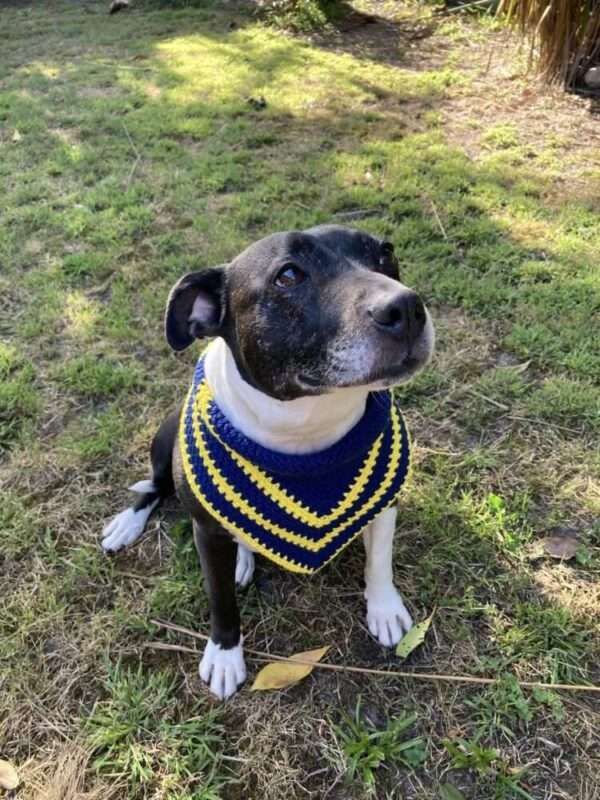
(298, 510)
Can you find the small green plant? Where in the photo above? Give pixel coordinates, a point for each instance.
(468, 754)
(501, 781)
(366, 748)
(500, 707)
(137, 735)
(550, 699)
(495, 521)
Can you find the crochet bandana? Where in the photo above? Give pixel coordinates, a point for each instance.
(298, 510)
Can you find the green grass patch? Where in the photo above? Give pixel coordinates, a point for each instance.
(567, 402)
(95, 436)
(18, 526)
(139, 735)
(19, 399)
(550, 637)
(495, 777)
(95, 378)
(501, 137)
(180, 594)
(367, 749)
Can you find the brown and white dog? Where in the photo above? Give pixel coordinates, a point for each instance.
(307, 324)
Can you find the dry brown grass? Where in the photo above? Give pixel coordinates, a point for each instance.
(63, 775)
(566, 34)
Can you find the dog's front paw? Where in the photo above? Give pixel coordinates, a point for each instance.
(223, 670)
(244, 566)
(387, 616)
(125, 528)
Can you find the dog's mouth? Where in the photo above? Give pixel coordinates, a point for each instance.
(378, 378)
(396, 372)
(310, 382)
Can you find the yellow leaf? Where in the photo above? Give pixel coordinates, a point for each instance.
(280, 674)
(413, 638)
(8, 776)
(16, 137)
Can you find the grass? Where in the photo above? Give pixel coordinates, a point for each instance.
(129, 155)
(366, 748)
(18, 399)
(137, 738)
(92, 377)
(497, 780)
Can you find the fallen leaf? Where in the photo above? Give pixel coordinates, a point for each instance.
(280, 674)
(563, 546)
(450, 792)
(16, 137)
(9, 778)
(413, 638)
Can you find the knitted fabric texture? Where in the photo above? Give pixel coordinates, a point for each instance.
(298, 510)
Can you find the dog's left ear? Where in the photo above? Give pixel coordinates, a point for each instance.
(388, 263)
(196, 307)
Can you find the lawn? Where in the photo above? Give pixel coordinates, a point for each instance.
(137, 147)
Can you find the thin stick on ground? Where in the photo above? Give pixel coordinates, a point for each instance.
(466, 6)
(437, 217)
(260, 656)
(490, 400)
(138, 157)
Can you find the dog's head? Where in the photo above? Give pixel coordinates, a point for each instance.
(306, 312)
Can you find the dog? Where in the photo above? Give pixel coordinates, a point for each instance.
(289, 401)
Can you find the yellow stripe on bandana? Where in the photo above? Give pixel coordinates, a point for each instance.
(270, 499)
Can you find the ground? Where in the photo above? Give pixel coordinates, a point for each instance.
(136, 147)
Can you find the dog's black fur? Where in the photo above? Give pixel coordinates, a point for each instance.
(279, 335)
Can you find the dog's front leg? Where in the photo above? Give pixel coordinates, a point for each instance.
(222, 666)
(387, 617)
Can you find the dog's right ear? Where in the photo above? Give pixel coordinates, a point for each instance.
(196, 307)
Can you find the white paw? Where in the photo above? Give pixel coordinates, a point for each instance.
(244, 566)
(387, 616)
(125, 528)
(223, 670)
(143, 487)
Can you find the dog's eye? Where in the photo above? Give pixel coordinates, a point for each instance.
(289, 276)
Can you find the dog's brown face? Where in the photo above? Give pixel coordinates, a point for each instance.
(306, 312)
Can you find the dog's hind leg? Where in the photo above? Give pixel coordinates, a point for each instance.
(128, 526)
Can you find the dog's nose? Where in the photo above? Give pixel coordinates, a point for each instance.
(403, 316)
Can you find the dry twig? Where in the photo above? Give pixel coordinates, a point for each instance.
(138, 157)
(258, 655)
